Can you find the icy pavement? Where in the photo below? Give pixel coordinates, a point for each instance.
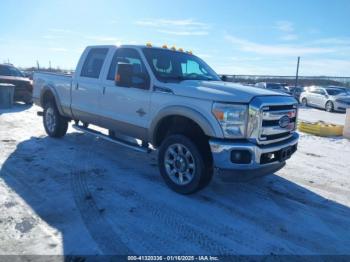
(81, 195)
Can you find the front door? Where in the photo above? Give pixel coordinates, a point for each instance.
(126, 109)
(320, 98)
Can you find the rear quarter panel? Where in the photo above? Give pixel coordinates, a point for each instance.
(60, 85)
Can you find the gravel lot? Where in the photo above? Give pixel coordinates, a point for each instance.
(80, 195)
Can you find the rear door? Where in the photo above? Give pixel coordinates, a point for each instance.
(126, 109)
(87, 87)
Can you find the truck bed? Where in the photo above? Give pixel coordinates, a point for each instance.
(58, 83)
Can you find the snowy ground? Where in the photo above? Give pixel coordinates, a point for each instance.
(314, 115)
(81, 195)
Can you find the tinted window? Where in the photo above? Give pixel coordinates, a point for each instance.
(170, 65)
(94, 62)
(130, 56)
(335, 92)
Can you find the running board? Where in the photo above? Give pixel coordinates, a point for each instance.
(117, 141)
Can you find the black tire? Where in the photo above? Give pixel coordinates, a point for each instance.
(111, 133)
(27, 99)
(304, 101)
(202, 171)
(329, 107)
(55, 125)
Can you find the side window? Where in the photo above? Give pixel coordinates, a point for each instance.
(130, 56)
(319, 91)
(191, 67)
(94, 62)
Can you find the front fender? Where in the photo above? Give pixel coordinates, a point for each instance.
(208, 128)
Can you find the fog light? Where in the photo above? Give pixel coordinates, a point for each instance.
(241, 156)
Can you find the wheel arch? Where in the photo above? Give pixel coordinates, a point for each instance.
(161, 122)
(49, 93)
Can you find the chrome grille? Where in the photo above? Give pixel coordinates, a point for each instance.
(265, 116)
(270, 126)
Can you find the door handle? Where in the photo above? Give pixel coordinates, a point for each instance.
(104, 90)
(77, 87)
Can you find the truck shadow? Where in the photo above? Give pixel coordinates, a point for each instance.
(104, 199)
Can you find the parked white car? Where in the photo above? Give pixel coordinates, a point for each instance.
(175, 103)
(328, 98)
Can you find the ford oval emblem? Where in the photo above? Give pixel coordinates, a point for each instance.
(284, 121)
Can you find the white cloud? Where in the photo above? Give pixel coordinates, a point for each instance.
(60, 30)
(58, 49)
(50, 37)
(329, 66)
(168, 22)
(105, 39)
(280, 50)
(289, 37)
(181, 27)
(182, 33)
(285, 26)
(339, 41)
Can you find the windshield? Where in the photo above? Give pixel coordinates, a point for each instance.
(9, 71)
(335, 92)
(168, 65)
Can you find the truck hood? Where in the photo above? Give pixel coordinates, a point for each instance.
(15, 78)
(220, 91)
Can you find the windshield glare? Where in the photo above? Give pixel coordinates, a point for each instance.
(168, 65)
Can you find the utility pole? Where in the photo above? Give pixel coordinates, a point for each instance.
(296, 76)
(37, 64)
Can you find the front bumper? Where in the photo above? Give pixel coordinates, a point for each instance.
(221, 152)
(341, 106)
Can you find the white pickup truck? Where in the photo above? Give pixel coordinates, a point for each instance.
(175, 103)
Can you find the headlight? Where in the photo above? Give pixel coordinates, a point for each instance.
(232, 118)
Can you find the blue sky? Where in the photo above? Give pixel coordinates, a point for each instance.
(234, 37)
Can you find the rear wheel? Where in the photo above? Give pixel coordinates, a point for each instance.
(329, 106)
(183, 165)
(55, 124)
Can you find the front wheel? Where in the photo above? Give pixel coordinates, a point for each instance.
(329, 106)
(183, 166)
(55, 124)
